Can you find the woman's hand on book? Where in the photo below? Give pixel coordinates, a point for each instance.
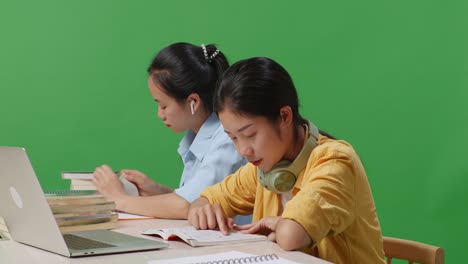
(145, 185)
(265, 226)
(107, 183)
(203, 215)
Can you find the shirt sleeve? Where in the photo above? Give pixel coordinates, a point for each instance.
(236, 193)
(325, 204)
(219, 161)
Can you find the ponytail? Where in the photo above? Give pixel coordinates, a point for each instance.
(182, 68)
(215, 58)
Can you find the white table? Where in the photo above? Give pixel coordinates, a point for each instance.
(13, 252)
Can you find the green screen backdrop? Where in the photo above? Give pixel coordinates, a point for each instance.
(390, 77)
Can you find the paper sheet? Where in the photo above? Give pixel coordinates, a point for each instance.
(126, 216)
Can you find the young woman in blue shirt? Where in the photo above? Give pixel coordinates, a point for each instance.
(182, 79)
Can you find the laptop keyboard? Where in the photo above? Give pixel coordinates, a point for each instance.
(80, 243)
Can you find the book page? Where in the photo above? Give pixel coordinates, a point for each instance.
(220, 257)
(206, 237)
(77, 175)
(128, 186)
(127, 216)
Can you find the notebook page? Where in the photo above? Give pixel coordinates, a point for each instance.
(219, 257)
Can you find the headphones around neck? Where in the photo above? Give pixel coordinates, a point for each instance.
(282, 177)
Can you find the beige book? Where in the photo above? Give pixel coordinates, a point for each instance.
(77, 175)
(82, 208)
(198, 238)
(77, 184)
(78, 200)
(82, 187)
(64, 197)
(82, 214)
(86, 219)
(106, 225)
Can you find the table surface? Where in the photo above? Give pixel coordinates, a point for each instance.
(13, 252)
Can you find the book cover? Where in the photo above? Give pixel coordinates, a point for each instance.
(86, 219)
(75, 228)
(82, 208)
(198, 238)
(76, 184)
(74, 198)
(77, 175)
(88, 201)
(82, 185)
(81, 214)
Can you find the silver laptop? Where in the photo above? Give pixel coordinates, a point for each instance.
(30, 220)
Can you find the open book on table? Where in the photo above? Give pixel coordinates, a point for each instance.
(198, 238)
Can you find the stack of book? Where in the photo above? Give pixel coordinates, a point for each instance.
(4, 234)
(78, 211)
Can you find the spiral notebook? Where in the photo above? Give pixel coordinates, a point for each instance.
(226, 257)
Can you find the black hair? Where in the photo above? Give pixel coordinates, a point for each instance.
(259, 87)
(182, 68)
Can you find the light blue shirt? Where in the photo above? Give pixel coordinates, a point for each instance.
(208, 156)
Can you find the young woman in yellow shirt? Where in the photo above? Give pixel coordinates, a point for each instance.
(306, 190)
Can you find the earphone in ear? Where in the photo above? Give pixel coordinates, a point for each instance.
(282, 177)
(192, 103)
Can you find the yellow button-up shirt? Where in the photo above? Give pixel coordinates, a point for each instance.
(332, 200)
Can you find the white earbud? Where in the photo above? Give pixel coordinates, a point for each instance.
(192, 103)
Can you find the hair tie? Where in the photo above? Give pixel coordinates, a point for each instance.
(205, 53)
